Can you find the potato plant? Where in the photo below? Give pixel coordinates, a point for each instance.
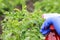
(22, 25)
(48, 6)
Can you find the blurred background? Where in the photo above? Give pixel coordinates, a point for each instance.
(22, 19)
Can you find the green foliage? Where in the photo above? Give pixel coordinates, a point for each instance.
(22, 25)
(10, 5)
(48, 6)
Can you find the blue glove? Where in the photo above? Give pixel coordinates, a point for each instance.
(55, 21)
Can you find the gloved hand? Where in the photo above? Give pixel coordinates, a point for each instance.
(55, 21)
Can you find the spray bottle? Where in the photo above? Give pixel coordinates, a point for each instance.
(52, 35)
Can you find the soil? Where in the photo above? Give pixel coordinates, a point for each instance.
(1, 18)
